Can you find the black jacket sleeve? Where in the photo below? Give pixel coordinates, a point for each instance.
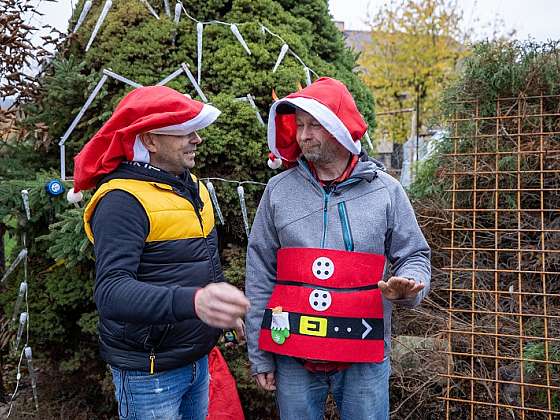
(120, 227)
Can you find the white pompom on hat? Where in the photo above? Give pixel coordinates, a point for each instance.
(74, 197)
(274, 162)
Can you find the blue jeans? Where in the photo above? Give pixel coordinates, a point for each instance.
(361, 392)
(180, 393)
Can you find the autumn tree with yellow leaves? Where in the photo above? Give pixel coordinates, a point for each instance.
(415, 46)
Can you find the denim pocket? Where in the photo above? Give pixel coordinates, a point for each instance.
(120, 380)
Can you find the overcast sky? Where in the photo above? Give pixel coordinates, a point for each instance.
(538, 19)
(535, 18)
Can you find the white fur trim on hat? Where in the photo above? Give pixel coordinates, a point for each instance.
(326, 117)
(141, 154)
(205, 117)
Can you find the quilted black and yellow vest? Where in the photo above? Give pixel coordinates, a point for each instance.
(180, 250)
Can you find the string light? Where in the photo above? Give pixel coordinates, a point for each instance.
(283, 51)
(199, 31)
(177, 16)
(99, 22)
(21, 295)
(23, 326)
(251, 100)
(215, 202)
(166, 7)
(83, 14)
(25, 198)
(150, 8)
(32, 374)
(240, 194)
(234, 28)
(20, 257)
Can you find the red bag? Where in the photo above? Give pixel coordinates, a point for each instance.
(224, 399)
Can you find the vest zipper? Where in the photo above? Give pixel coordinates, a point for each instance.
(152, 362)
(152, 356)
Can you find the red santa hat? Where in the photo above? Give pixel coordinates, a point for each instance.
(151, 109)
(330, 103)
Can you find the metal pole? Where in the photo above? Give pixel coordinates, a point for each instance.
(417, 136)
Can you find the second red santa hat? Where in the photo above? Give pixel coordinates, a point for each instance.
(330, 103)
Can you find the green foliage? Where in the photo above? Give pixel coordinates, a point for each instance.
(428, 182)
(135, 45)
(67, 243)
(497, 69)
(537, 351)
(505, 69)
(57, 295)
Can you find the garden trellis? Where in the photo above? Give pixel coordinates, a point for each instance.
(504, 294)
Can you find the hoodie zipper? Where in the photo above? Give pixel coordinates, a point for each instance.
(326, 198)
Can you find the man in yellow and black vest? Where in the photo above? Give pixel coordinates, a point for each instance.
(159, 289)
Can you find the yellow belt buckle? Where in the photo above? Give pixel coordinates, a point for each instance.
(310, 325)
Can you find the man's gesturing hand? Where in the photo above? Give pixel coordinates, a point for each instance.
(221, 305)
(266, 381)
(399, 288)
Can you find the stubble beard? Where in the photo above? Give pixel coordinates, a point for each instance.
(318, 156)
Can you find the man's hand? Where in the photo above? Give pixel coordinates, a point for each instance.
(221, 305)
(266, 381)
(240, 331)
(399, 288)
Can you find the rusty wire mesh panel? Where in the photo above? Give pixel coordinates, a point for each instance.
(503, 324)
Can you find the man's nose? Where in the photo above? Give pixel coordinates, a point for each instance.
(306, 133)
(196, 139)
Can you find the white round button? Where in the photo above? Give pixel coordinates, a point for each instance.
(323, 268)
(320, 300)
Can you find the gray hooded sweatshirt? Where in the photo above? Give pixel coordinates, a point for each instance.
(368, 212)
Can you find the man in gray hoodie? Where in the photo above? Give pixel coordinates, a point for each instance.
(326, 233)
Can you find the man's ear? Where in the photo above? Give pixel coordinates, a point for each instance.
(149, 142)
